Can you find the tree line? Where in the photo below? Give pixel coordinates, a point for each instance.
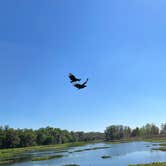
(13, 138)
(115, 132)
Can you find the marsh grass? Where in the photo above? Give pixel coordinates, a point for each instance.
(71, 165)
(46, 157)
(151, 164)
(18, 154)
(126, 140)
(161, 148)
(87, 149)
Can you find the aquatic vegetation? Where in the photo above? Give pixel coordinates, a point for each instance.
(151, 164)
(13, 155)
(6, 162)
(160, 148)
(105, 157)
(163, 144)
(87, 149)
(162, 139)
(71, 165)
(46, 157)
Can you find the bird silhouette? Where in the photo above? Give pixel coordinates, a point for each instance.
(73, 78)
(81, 86)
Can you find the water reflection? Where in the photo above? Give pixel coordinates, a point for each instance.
(121, 155)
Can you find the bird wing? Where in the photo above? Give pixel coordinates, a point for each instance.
(85, 82)
(72, 77)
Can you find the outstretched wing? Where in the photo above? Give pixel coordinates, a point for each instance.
(72, 77)
(85, 82)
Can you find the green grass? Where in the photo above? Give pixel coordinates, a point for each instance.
(6, 162)
(46, 157)
(126, 140)
(9, 155)
(151, 164)
(161, 148)
(163, 144)
(163, 139)
(105, 157)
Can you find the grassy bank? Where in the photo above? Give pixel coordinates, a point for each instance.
(12, 155)
(146, 139)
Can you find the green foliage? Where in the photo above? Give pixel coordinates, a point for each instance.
(116, 132)
(13, 138)
(149, 129)
(163, 128)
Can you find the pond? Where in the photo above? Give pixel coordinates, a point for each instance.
(121, 154)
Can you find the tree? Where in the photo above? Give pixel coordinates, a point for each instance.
(149, 130)
(28, 138)
(11, 138)
(163, 128)
(135, 132)
(117, 132)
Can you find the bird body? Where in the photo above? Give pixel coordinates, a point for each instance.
(73, 78)
(77, 85)
(81, 86)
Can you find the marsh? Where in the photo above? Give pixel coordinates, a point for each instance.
(122, 154)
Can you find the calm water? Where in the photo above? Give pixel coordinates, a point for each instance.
(122, 155)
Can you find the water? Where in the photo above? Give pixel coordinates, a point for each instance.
(121, 155)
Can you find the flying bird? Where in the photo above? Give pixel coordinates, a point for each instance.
(81, 86)
(73, 78)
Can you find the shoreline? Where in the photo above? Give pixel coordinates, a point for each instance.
(8, 156)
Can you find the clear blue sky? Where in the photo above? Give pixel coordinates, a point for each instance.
(119, 45)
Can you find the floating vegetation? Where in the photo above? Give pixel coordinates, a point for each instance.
(71, 165)
(161, 148)
(14, 155)
(46, 157)
(87, 149)
(2, 162)
(163, 144)
(105, 157)
(151, 164)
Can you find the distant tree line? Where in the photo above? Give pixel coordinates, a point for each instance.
(115, 132)
(13, 138)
